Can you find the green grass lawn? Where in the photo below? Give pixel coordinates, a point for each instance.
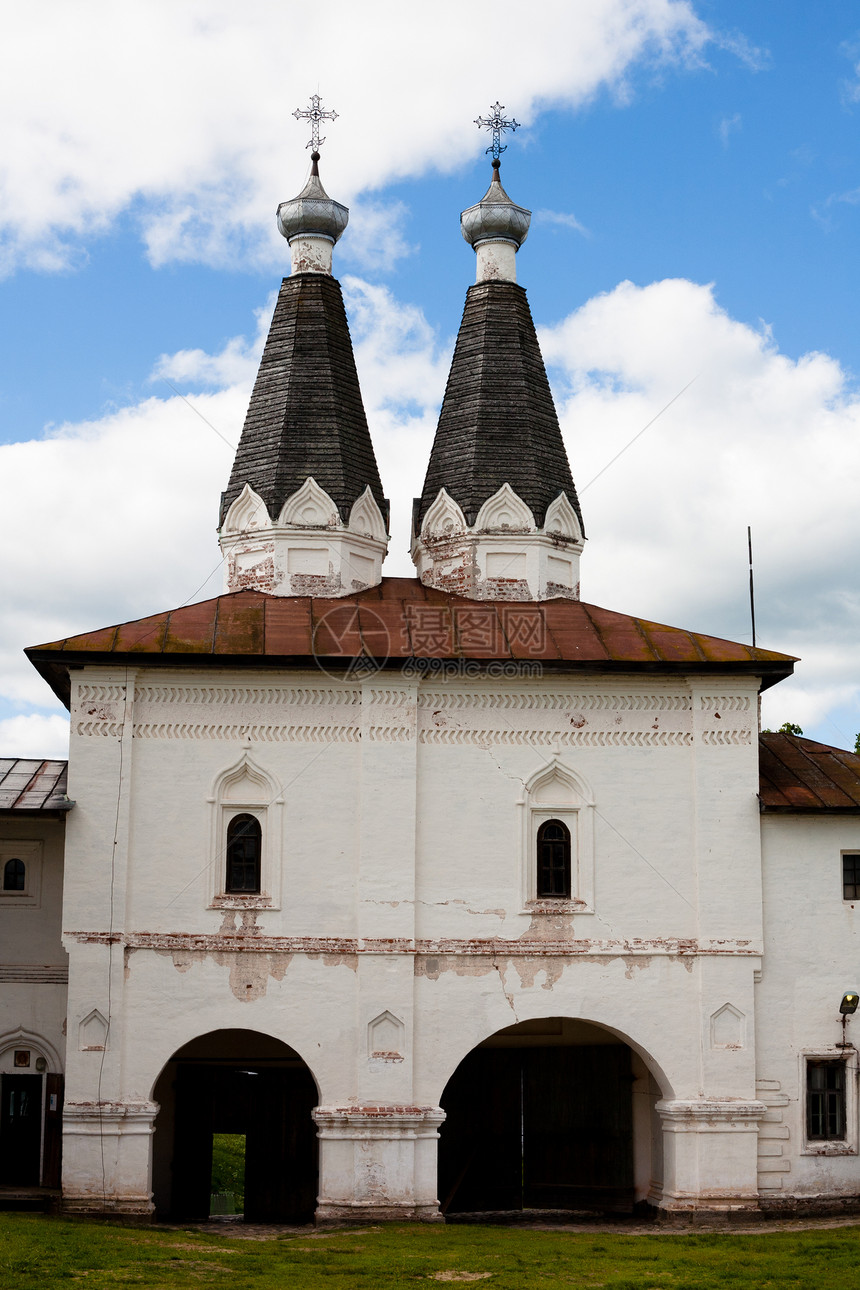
(38, 1253)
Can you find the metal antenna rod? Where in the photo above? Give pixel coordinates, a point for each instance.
(752, 587)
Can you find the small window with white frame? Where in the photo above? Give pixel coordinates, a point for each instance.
(830, 1103)
(20, 872)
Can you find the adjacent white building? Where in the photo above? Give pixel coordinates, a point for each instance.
(454, 893)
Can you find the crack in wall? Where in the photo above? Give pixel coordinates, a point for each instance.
(508, 997)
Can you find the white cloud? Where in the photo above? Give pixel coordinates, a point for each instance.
(402, 367)
(376, 238)
(728, 125)
(127, 510)
(235, 364)
(757, 439)
(564, 218)
(180, 114)
(35, 735)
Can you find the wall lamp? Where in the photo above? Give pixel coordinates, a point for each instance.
(847, 1008)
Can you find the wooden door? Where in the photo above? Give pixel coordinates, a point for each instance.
(480, 1156)
(538, 1128)
(192, 1144)
(577, 1128)
(20, 1130)
(52, 1151)
(281, 1148)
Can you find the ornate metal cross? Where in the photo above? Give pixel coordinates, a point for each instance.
(315, 114)
(497, 124)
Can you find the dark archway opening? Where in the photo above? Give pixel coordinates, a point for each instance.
(244, 1084)
(543, 1115)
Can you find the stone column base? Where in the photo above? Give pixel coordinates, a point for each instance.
(125, 1207)
(358, 1213)
(378, 1163)
(710, 1149)
(106, 1149)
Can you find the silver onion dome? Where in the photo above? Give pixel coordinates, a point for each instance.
(312, 213)
(495, 217)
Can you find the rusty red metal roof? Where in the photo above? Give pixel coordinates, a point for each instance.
(799, 774)
(398, 620)
(31, 785)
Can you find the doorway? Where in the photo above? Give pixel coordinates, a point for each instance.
(21, 1130)
(31, 1117)
(227, 1086)
(541, 1116)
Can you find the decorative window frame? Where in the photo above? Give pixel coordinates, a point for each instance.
(245, 788)
(30, 851)
(846, 1146)
(556, 792)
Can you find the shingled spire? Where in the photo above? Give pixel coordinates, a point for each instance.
(304, 512)
(498, 517)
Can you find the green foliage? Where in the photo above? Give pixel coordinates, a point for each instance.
(857, 743)
(39, 1253)
(789, 728)
(228, 1165)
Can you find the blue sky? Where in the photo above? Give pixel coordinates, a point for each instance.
(707, 154)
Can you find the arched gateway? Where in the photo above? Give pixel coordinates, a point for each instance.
(550, 1114)
(250, 1086)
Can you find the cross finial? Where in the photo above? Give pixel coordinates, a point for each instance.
(315, 114)
(497, 123)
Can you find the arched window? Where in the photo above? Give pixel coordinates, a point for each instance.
(14, 875)
(553, 860)
(244, 848)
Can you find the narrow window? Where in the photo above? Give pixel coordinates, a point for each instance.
(825, 1100)
(851, 877)
(14, 873)
(553, 860)
(244, 846)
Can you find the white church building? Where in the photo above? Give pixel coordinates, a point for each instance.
(452, 894)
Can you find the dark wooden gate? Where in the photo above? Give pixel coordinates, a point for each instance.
(20, 1130)
(272, 1107)
(538, 1128)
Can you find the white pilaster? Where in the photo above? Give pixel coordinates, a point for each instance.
(710, 1153)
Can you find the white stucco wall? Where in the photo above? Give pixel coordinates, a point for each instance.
(812, 956)
(398, 814)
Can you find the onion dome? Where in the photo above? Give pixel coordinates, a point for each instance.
(312, 213)
(495, 218)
